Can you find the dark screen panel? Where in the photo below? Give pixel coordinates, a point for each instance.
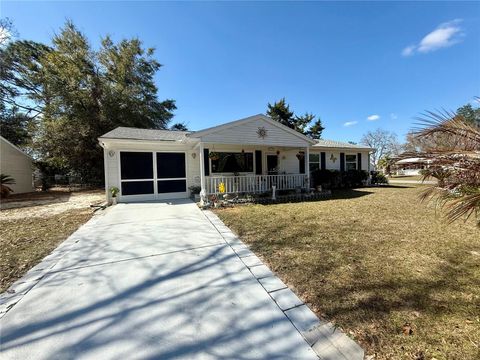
(323, 161)
(258, 162)
(170, 165)
(301, 163)
(169, 186)
(137, 187)
(136, 165)
(342, 161)
(206, 162)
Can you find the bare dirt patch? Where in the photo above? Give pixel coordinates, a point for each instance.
(42, 204)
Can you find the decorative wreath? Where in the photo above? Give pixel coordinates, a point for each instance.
(262, 132)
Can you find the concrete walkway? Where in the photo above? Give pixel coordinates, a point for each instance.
(150, 280)
(160, 281)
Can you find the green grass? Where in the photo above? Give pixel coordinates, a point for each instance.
(374, 260)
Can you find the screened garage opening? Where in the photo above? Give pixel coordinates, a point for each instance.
(152, 175)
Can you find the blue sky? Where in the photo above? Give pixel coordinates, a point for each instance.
(343, 61)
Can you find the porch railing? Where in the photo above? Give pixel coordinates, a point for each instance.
(254, 183)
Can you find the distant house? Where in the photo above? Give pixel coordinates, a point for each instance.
(18, 165)
(246, 156)
(410, 166)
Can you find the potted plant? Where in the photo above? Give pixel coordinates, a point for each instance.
(195, 192)
(300, 155)
(214, 155)
(114, 191)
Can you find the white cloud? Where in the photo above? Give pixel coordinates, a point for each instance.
(393, 116)
(409, 50)
(445, 35)
(350, 123)
(373, 117)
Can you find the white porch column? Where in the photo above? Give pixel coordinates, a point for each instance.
(307, 166)
(202, 170)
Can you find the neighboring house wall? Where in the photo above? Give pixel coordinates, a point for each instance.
(18, 165)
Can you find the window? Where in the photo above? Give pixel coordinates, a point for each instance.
(229, 162)
(314, 162)
(351, 162)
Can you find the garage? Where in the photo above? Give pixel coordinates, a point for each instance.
(146, 175)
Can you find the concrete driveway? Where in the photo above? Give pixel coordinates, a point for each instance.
(147, 280)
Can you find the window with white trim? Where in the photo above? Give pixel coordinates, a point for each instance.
(232, 162)
(350, 162)
(314, 161)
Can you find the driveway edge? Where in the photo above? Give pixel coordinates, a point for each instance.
(326, 340)
(32, 277)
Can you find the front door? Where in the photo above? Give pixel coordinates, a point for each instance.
(272, 164)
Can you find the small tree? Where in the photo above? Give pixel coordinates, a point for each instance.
(383, 142)
(305, 124)
(6, 180)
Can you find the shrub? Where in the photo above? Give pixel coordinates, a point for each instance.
(334, 179)
(378, 178)
(354, 178)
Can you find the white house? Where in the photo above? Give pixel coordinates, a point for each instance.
(18, 165)
(248, 155)
(411, 166)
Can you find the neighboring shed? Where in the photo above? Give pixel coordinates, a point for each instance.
(18, 165)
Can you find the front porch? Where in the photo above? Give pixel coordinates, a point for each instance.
(237, 169)
(254, 184)
(252, 156)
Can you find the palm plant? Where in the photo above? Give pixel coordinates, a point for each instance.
(6, 180)
(454, 154)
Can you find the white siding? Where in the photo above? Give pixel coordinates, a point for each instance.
(112, 161)
(246, 134)
(18, 165)
(333, 163)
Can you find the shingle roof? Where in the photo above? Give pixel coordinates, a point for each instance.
(338, 144)
(145, 134)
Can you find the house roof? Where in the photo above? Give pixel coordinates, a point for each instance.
(338, 144)
(268, 119)
(145, 134)
(129, 133)
(173, 135)
(414, 160)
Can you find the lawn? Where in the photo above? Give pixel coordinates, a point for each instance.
(33, 224)
(385, 268)
(24, 242)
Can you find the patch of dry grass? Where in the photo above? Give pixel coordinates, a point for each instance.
(374, 260)
(24, 242)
